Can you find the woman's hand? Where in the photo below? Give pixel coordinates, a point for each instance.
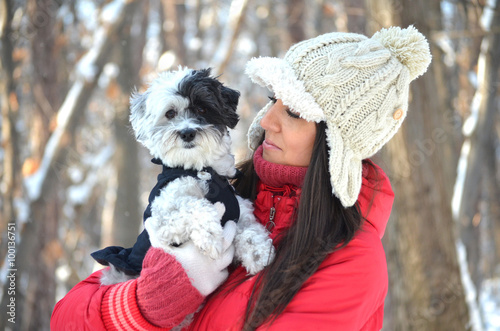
(174, 281)
(205, 273)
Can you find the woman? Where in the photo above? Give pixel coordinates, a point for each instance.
(338, 98)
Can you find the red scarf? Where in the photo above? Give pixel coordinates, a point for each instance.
(277, 175)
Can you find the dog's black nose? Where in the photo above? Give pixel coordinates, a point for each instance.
(187, 134)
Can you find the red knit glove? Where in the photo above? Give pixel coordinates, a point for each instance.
(165, 295)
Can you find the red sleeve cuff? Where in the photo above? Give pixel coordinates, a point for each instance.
(120, 310)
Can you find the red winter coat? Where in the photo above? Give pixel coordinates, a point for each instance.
(346, 293)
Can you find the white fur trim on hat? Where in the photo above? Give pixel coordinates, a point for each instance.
(279, 77)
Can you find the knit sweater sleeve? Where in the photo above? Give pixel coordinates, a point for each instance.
(158, 300)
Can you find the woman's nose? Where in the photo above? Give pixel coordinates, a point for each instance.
(270, 121)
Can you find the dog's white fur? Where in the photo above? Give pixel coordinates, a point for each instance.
(181, 212)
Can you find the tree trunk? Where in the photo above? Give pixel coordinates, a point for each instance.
(42, 18)
(10, 176)
(356, 20)
(489, 209)
(127, 216)
(9, 114)
(46, 89)
(295, 11)
(492, 207)
(479, 129)
(425, 291)
(35, 300)
(173, 30)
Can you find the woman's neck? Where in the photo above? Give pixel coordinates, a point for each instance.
(277, 175)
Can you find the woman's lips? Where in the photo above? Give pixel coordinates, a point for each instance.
(269, 145)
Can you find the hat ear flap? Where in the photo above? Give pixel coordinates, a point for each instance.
(230, 98)
(345, 168)
(138, 114)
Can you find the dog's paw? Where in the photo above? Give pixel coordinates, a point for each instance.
(211, 247)
(206, 229)
(169, 221)
(204, 175)
(163, 234)
(254, 248)
(208, 238)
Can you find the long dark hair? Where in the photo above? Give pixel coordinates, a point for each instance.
(322, 226)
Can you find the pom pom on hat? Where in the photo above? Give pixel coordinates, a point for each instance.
(409, 46)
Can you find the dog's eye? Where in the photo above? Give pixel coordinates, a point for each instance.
(170, 114)
(201, 110)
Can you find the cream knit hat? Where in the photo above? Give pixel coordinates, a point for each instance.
(359, 86)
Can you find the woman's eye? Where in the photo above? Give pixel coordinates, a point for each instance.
(273, 99)
(292, 114)
(170, 114)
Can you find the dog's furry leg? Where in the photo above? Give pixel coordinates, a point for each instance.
(112, 276)
(253, 247)
(206, 228)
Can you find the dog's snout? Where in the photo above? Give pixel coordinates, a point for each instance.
(187, 135)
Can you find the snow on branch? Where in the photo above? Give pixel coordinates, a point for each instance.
(87, 73)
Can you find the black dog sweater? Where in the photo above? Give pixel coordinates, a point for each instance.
(129, 260)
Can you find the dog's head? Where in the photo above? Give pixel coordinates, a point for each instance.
(183, 118)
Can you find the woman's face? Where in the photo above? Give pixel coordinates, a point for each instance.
(289, 139)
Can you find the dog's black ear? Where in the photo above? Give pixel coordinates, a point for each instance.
(137, 112)
(231, 98)
(203, 72)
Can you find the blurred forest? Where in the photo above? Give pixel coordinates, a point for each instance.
(73, 179)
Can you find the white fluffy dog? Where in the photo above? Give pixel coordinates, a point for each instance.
(183, 119)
